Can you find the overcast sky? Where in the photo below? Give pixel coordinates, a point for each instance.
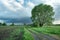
(18, 10)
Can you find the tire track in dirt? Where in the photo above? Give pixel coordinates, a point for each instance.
(34, 35)
(41, 36)
(46, 37)
(19, 37)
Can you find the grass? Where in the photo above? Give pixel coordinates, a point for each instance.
(48, 30)
(14, 31)
(14, 34)
(27, 35)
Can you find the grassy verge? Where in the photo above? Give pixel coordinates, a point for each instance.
(48, 30)
(27, 35)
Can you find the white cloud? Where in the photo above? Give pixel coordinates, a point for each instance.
(28, 11)
(52, 2)
(56, 22)
(29, 7)
(16, 6)
(56, 5)
(21, 1)
(12, 4)
(1, 21)
(49, 2)
(30, 4)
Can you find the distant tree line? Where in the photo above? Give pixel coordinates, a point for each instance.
(2, 24)
(12, 24)
(56, 25)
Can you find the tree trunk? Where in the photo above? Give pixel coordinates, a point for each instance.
(38, 25)
(41, 25)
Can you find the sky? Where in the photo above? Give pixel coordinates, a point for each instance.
(19, 11)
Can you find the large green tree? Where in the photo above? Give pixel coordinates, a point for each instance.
(42, 14)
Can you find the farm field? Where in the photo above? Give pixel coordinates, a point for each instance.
(29, 33)
(48, 30)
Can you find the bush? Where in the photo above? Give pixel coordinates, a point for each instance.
(0, 24)
(4, 24)
(12, 24)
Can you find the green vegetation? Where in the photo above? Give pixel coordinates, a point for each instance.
(14, 34)
(12, 24)
(18, 32)
(48, 30)
(10, 32)
(27, 35)
(42, 14)
(2, 24)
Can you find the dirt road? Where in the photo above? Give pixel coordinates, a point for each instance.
(41, 36)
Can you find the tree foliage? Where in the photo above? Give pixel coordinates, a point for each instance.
(42, 14)
(12, 24)
(4, 24)
(0, 24)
